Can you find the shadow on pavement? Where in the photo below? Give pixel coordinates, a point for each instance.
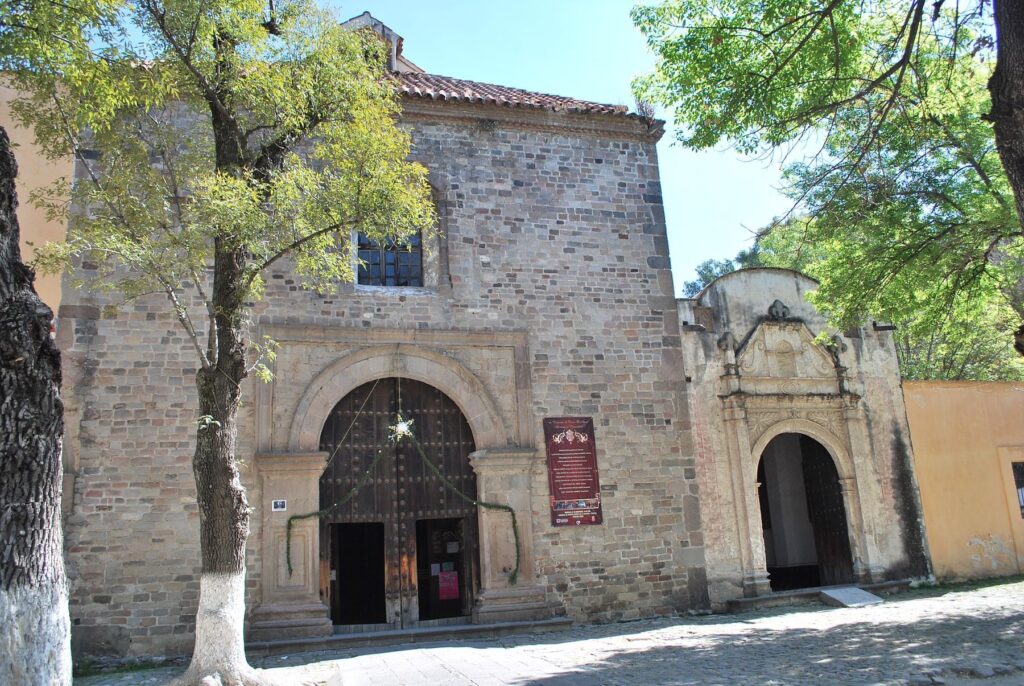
(753, 649)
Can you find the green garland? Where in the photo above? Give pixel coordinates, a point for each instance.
(513, 576)
(327, 510)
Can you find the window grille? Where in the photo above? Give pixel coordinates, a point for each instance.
(389, 263)
(1018, 481)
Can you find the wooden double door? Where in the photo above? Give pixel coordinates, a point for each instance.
(403, 549)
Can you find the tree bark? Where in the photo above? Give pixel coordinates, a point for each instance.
(219, 652)
(1006, 86)
(35, 638)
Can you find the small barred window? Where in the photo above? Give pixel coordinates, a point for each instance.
(391, 264)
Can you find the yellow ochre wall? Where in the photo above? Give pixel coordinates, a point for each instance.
(34, 171)
(965, 436)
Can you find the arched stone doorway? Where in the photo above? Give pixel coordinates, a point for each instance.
(803, 517)
(403, 550)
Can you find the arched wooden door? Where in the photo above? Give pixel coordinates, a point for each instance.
(827, 512)
(403, 549)
(803, 516)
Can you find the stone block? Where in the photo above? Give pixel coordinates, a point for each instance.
(848, 596)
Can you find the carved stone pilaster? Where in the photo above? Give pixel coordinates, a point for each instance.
(746, 510)
(290, 604)
(503, 477)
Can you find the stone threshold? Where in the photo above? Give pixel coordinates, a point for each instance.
(807, 596)
(401, 636)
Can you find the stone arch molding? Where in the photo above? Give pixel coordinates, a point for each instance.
(835, 447)
(409, 362)
(860, 544)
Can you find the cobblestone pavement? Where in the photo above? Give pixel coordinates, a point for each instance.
(956, 638)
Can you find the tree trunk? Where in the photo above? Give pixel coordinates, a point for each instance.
(219, 653)
(1007, 115)
(35, 638)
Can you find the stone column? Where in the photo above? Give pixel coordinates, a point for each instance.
(503, 478)
(290, 605)
(743, 469)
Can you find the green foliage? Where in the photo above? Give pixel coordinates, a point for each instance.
(753, 72)
(761, 73)
(204, 130)
(973, 343)
(905, 213)
(35, 33)
(968, 340)
(709, 270)
(921, 230)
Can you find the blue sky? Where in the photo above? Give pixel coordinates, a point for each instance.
(588, 49)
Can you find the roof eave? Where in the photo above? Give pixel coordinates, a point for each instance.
(613, 124)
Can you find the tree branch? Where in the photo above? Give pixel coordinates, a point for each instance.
(826, 13)
(210, 94)
(294, 245)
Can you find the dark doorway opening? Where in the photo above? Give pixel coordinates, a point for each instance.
(806, 538)
(373, 481)
(440, 568)
(357, 579)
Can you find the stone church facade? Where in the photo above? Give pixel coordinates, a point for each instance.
(546, 292)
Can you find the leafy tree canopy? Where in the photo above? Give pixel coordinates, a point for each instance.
(308, 103)
(907, 199)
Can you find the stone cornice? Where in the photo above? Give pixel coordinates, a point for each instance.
(595, 124)
(300, 333)
(503, 458)
(778, 400)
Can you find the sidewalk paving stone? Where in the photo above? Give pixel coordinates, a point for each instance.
(955, 638)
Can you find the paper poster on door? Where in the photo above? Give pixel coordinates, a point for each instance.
(448, 586)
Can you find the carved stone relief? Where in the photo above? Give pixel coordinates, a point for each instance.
(830, 419)
(784, 350)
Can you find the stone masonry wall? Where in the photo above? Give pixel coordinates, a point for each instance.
(555, 234)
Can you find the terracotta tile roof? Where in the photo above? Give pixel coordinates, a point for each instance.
(446, 88)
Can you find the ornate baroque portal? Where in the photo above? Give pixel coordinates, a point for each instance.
(477, 445)
(780, 381)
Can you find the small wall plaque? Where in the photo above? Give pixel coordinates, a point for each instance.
(278, 505)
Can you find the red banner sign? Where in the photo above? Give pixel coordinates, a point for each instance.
(572, 471)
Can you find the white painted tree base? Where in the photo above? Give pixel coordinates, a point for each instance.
(35, 638)
(218, 658)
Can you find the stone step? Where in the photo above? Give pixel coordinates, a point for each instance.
(293, 628)
(257, 649)
(849, 596)
(264, 614)
(806, 596)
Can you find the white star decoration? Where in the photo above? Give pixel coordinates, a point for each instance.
(402, 428)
